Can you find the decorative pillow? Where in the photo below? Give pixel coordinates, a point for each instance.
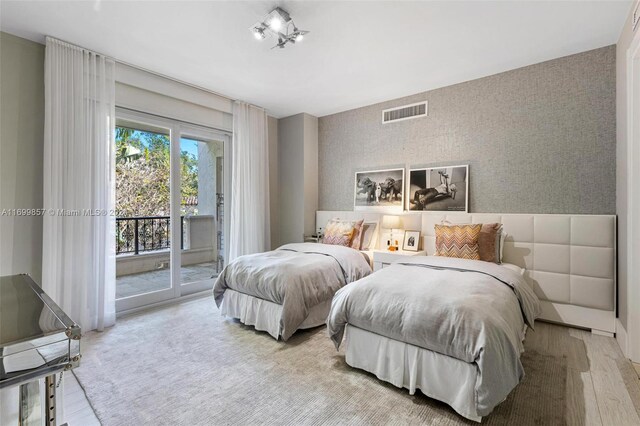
(458, 241)
(489, 242)
(339, 233)
(503, 236)
(369, 233)
(357, 234)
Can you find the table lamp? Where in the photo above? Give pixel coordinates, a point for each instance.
(391, 223)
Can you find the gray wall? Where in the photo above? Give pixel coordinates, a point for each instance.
(539, 139)
(21, 153)
(272, 137)
(297, 177)
(310, 173)
(290, 178)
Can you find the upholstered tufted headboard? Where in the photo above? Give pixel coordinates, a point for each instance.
(570, 259)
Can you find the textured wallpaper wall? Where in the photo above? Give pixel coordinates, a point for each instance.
(538, 139)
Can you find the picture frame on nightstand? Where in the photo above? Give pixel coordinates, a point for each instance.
(411, 241)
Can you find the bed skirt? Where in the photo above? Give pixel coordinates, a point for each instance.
(264, 315)
(408, 366)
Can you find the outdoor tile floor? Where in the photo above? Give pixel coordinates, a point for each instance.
(145, 282)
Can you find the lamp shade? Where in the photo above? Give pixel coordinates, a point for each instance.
(391, 222)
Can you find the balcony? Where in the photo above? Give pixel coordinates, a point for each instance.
(143, 252)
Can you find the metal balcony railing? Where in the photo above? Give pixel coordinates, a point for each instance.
(151, 233)
(148, 233)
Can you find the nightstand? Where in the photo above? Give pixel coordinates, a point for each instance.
(313, 238)
(383, 258)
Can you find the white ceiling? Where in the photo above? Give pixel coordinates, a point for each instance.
(357, 53)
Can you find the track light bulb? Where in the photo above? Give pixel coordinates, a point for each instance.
(275, 23)
(258, 33)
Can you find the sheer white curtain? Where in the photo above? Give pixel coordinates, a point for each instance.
(78, 257)
(249, 220)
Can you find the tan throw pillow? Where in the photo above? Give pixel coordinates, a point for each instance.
(358, 230)
(338, 233)
(459, 241)
(489, 242)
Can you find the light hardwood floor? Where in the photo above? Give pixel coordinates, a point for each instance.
(602, 386)
(77, 410)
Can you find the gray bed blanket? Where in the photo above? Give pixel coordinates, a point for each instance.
(471, 310)
(296, 276)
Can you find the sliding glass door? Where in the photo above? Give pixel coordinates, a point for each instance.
(143, 209)
(201, 210)
(170, 193)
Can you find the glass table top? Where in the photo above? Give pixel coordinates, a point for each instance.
(36, 336)
(24, 315)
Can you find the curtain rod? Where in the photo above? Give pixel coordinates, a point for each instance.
(75, 46)
(194, 86)
(139, 68)
(173, 79)
(203, 126)
(185, 83)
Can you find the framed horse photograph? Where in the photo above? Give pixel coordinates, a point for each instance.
(379, 190)
(439, 189)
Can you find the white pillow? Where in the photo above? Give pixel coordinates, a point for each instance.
(369, 235)
(499, 241)
(503, 236)
(514, 268)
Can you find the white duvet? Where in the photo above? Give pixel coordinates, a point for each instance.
(471, 310)
(296, 276)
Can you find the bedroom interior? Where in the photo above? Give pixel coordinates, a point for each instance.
(262, 213)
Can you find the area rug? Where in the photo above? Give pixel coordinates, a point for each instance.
(186, 365)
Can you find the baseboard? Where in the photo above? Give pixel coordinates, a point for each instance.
(621, 338)
(602, 333)
(578, 316)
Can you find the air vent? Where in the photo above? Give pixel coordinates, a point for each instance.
(406, 112)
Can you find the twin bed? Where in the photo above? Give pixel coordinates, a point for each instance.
(452, 328)
(287, 289)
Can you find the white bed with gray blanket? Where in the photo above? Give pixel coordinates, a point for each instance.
(289, 288)
(452, 328)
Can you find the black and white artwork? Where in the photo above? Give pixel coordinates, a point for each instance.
(379, 190)
(439, 189)
(411, 241)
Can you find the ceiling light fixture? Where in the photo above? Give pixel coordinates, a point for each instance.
(279, 24)
(258, 33)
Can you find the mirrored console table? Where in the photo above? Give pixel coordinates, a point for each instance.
(37, 341)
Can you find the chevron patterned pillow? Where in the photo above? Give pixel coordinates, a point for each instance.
(458, 241)
(339, 233)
